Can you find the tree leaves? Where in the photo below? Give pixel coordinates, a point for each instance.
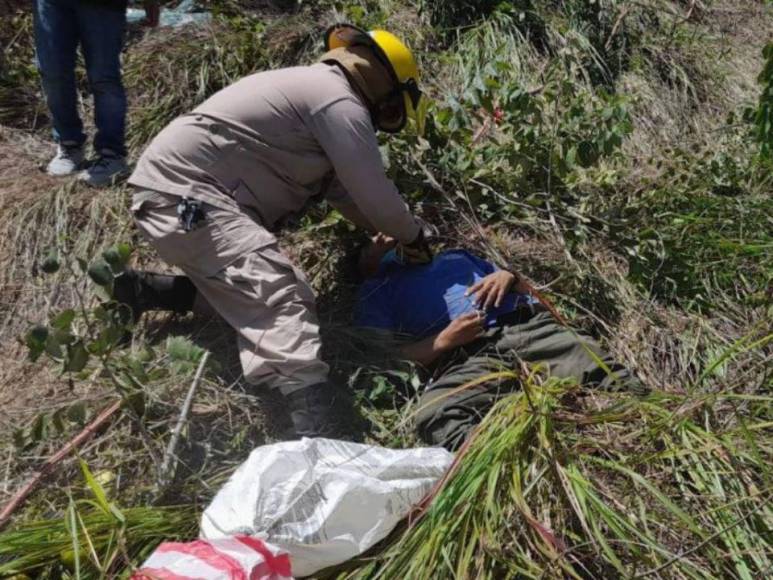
(99, 330)
(77, 357)
(117, 257)
(47, 425)
(36, 341)
(51, 262)
(100, 273)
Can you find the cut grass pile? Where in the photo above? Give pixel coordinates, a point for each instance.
(104, 545)
(564, 483)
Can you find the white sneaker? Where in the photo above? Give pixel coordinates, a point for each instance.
(68, 160)
(106, 170)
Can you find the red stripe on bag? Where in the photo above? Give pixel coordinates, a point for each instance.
(262, 571)
(207, 554)
(279, 564)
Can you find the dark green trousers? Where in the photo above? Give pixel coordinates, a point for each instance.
(447, 419)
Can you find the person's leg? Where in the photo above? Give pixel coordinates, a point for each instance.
(143, 291)
(265, 299)
(102, 35)
(447, 416)
(568, 353)
(272, 308)
(448, 413)
(56, 44)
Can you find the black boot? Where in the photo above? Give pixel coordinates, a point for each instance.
(322, 410)
(143, 291)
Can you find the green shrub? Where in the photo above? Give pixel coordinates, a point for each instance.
(702, 228)
(454, 13)
(500, 146)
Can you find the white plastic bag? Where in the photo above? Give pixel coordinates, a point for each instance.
(185, 13)
(236, 558)
(321, 500)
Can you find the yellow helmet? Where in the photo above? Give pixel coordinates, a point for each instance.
(396, 58)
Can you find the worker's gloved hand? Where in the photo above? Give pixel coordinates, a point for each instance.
(417, 252)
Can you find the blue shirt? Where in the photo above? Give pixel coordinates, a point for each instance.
(423, 300)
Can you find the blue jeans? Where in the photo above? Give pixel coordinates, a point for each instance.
(60, 25)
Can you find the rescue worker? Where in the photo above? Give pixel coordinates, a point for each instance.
(216, 184)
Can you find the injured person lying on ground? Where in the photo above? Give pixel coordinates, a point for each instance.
(465, 319)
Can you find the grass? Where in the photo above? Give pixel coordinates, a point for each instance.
(660, 245)
(101, 546)
(19, 105)
(170, 74)
(92, 543)
(563, 483)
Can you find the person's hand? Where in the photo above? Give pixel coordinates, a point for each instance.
(491, 290)
(152, 13)
(372, 254)
(382, 243)
(461, 331)
(417, 252)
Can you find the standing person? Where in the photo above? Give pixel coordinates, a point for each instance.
(215, 185)
(98, 27)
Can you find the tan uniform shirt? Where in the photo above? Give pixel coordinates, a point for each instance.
(272, 141)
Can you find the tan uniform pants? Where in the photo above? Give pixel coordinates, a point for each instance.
(238, 269)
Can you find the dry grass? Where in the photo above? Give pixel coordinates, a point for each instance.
(707, 79)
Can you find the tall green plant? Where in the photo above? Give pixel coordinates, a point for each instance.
(94, 538)
(499, 145)
(764, 115)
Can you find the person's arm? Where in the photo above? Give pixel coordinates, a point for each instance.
(371, 255)
(459, 332)
(337, 196)
(344, 131)
(353, 214)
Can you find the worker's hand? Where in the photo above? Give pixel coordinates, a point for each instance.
(417, 252)
(152, 13)
(491, 290)
(461, 331)
(372, 254)
(382, 243)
